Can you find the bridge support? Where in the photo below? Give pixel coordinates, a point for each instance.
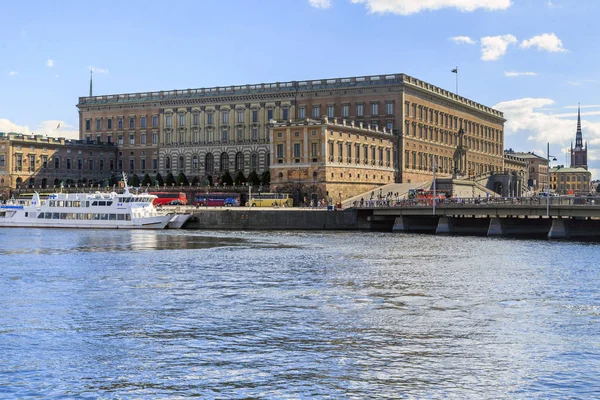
(496, 227)
(559, 229)
(400, 225)
(445, 226)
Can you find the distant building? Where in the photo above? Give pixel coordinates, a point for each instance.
(35, 161)
(570, 180)
(537, 170)
(326, 159)
(579, 152)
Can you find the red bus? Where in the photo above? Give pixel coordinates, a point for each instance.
(169, 198)
(217, 199)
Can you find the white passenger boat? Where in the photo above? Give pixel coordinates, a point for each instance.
(85, 210)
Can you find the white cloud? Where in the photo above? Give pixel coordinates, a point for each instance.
(97, 70)
(407, 7)
(13, 73)
(50, 63)
(581, 82)
(462, 40)
(43, 128)
(512, 74)
(547, 41)
(494, 47)
(586, 106)
(320, 3)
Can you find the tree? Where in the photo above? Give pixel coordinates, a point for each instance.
(265, 178)
(240, 179)
(134, 181)
(195, 180)
(170, 181)
(253, 178)
(226, 179)
(182, 180)
(146, 181)
(158, 179)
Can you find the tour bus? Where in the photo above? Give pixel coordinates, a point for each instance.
(270, 200)
(217, 199)
(169, 198)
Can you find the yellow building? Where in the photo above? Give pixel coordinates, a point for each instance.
(328, 158)
(570, 180)
(35, 161)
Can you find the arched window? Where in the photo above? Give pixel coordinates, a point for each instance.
(267, 161)
(239, 161)
(19, 181)
(254, 162)
(168, 162)
(195, 163)
(181, 163)
(224, 162)
(209, 164)
(31, 182)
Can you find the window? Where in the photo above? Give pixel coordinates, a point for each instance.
(374, 109)
(143, 164)
(68, 163)
(143, 138)
(239, 161)
(120, 140)
(181, 120)
(168, 162)
(254, 161)
(389, 108)
(195, 119)
(131, 164)
(269, 115)
(91, 165)
(240, 135)
(313, 149)
(155, 121)
(143, 122)
(88, 125)
(131, 122)
(301, 113)
(225, 135)
(209, 163)
(296, 149)
(44, 161)
(98, 124)
(168, 121)
(131, 139)
(330, 111)
(56, 162)
(195, 163)
(109, 123)
(209, 118)
(280, 153)
(349, 151)
(155, 164)
(340, 151)
(224, 165)
(32, 162)
(389, 125)
(286, 112)
(240, 117)
(254, 134)
(316, 112)
(254, 116)
(181, 163)
(225, 117)
(155, 138)
(345, 110)
(359, 110)
(112, 165)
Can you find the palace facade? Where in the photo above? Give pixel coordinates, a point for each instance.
(204, 132)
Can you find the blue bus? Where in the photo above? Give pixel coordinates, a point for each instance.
(217, 199)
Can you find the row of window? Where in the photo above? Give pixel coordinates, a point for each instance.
(450, 138)
(577, 178)
(57, 163)
(240, 162)
(83, 216)
(120, 120)
(211, 136)
(425, 162)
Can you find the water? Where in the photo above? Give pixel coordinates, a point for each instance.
(176, 314)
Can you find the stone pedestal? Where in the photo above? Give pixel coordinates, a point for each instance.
(445, 226)
(496, 227)
(558, 230)
(400, 225)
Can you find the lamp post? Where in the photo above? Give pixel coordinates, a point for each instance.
(434, 187)
(548, 183)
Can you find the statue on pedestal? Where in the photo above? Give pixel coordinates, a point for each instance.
(460, 156)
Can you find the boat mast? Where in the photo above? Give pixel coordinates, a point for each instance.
(125, 183)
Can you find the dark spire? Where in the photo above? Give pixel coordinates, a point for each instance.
(579, 135)
(91, 72)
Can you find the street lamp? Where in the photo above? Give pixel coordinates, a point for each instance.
(548, 183)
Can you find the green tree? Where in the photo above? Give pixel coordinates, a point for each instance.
(146, 181)
(226, 179)
(240, 179)
(265, 178)
(253, 178)
(134, 181)
(182, 180)
(170, 179)
(195, 180)
(158, 179)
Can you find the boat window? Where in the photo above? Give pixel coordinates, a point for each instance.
(52, 202)
(102, 203)
(112, 217)
(88, 216)
(68, 204)
(109, 203)
(48, 215)
(41, 215)
(95, 216)
(87, 203)
(120, 217)
(63, 215)
(55, 215)
(95, 203)
(77, 203)
(26, 214)
(60, 203)
(127, 217)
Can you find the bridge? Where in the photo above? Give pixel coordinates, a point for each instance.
(552, 217)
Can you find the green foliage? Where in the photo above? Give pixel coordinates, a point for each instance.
(182, 180)
(146, 181)
(195, 180)
(240, 179)
(158, 179)
(265, 178)
(226, 179)
(253, 178)
(170, 179)
(134, 181)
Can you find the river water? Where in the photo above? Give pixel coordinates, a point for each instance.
(176, 314)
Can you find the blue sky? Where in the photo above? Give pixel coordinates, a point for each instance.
(532, 59)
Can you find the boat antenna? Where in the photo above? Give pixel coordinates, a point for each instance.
(125, 183)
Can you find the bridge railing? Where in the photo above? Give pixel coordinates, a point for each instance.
(482, 201)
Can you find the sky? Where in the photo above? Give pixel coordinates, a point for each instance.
(535, 60)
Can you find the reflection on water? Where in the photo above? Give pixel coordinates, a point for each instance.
(295, 315)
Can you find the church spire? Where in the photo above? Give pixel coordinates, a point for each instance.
(91, 72)
(579, 135)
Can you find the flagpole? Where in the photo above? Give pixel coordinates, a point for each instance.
(457, 80)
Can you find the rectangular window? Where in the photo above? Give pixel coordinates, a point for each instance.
(254, 115)
(155, 121)
(98, 124)
(44, 161)
(131, 122)
(225, 135)
(143, 121)
(101, 166)
(109, 123)
(359, 110)
(240, 116)
(154, 164)
(131, 139)
(225, 116)
(389, 125)
(316, 112)
(345, 110)
(131, 164)
(374, 109)
(56, 162)
(32, 162)
(68, 163)
(120, 123)
(91, 165)
(143, 138)
(181, 120)
(301, 113)
(389, 108)
(269, 115)
(286, 112)
(296, 149)
(195, 119)
(88, 125)
(209, 118)
(240, 135)
(168, 121)
(313, 149)
(280, 151)
(120, 140)
(155, 138)
(143, 164)
(254, 133)
(330, 111)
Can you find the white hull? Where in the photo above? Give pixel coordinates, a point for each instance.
(178, 220)
(154, 223)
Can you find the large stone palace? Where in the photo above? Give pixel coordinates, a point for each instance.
(204, 132)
